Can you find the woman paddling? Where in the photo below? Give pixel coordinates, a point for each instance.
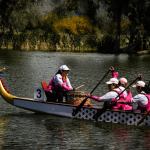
(116, 87)
(114, 91)
(60, 85)
(123, 83)
(143, 98)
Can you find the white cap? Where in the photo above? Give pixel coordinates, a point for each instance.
(123, 80)
(112, 80)
(139, 83)
(64, 67)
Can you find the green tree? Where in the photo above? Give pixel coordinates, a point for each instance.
(19, 14)
(64, 10)
(138, 13)
(115, 9)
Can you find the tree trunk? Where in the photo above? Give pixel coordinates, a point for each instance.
(117, 44)
(144, 42)
(130, 46)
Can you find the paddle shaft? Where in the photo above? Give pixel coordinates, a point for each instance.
(101, 111)
(79, 87)
(83, 102)
(2, 69)
(142, 119)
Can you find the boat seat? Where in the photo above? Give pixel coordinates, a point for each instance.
(49, 99)
(44, 85)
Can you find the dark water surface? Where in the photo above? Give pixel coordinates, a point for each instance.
(21, 129)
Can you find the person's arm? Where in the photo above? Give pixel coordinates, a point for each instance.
(95, 98)
(68, 83)
(141, 99)
(114, 74)
(107, 97)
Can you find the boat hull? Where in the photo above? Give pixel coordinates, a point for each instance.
(66, 110)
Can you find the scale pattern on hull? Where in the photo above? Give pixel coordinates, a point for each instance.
(128, 118)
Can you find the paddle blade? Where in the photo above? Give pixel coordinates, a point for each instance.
(142, 119)
(100, 112)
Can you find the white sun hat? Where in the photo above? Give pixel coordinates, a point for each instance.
(64, 67)
(139, 83)
(123, 80)
(112, 80)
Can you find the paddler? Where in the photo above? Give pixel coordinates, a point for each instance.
(143, 98)
(114, 91)
(123, 83)
(60, 85)
(114, 86)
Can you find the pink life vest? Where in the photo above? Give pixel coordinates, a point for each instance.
(128, 98)
(121, 97)
(123, 106)
(62, 87)
(147, 107)
(50, 88)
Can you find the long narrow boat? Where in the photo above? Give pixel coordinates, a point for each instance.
(66, 110)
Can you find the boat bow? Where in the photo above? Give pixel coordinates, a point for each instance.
(4, 92)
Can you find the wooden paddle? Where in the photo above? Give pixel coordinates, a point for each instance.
(83, 102)
(110, 105)
(79, 87)
(142, 119)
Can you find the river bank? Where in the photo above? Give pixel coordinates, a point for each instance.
(39, 41)
(65, 43)
(143, 52)
(46, 47)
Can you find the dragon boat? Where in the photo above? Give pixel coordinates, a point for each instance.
(65, 110)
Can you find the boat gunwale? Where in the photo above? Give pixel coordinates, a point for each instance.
(70, 105)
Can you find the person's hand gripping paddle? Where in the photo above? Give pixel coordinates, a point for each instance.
(83, 102)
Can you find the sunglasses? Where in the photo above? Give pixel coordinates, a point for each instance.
(66, 71)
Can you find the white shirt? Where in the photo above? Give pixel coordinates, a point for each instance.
(58, 80)
(141, 99)
(110, 95)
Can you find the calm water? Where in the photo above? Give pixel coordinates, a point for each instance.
(21, 129)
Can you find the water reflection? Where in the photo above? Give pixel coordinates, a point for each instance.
(37, 131)
(2, 130)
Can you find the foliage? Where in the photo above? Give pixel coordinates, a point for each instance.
(19, 14)
(73, 5)
(48, 22)
(92, 40)
(63, 27)
(138, 14)
(112, 27)
(107, 44)
(115, 10)
(65, 9)
(75, 25)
